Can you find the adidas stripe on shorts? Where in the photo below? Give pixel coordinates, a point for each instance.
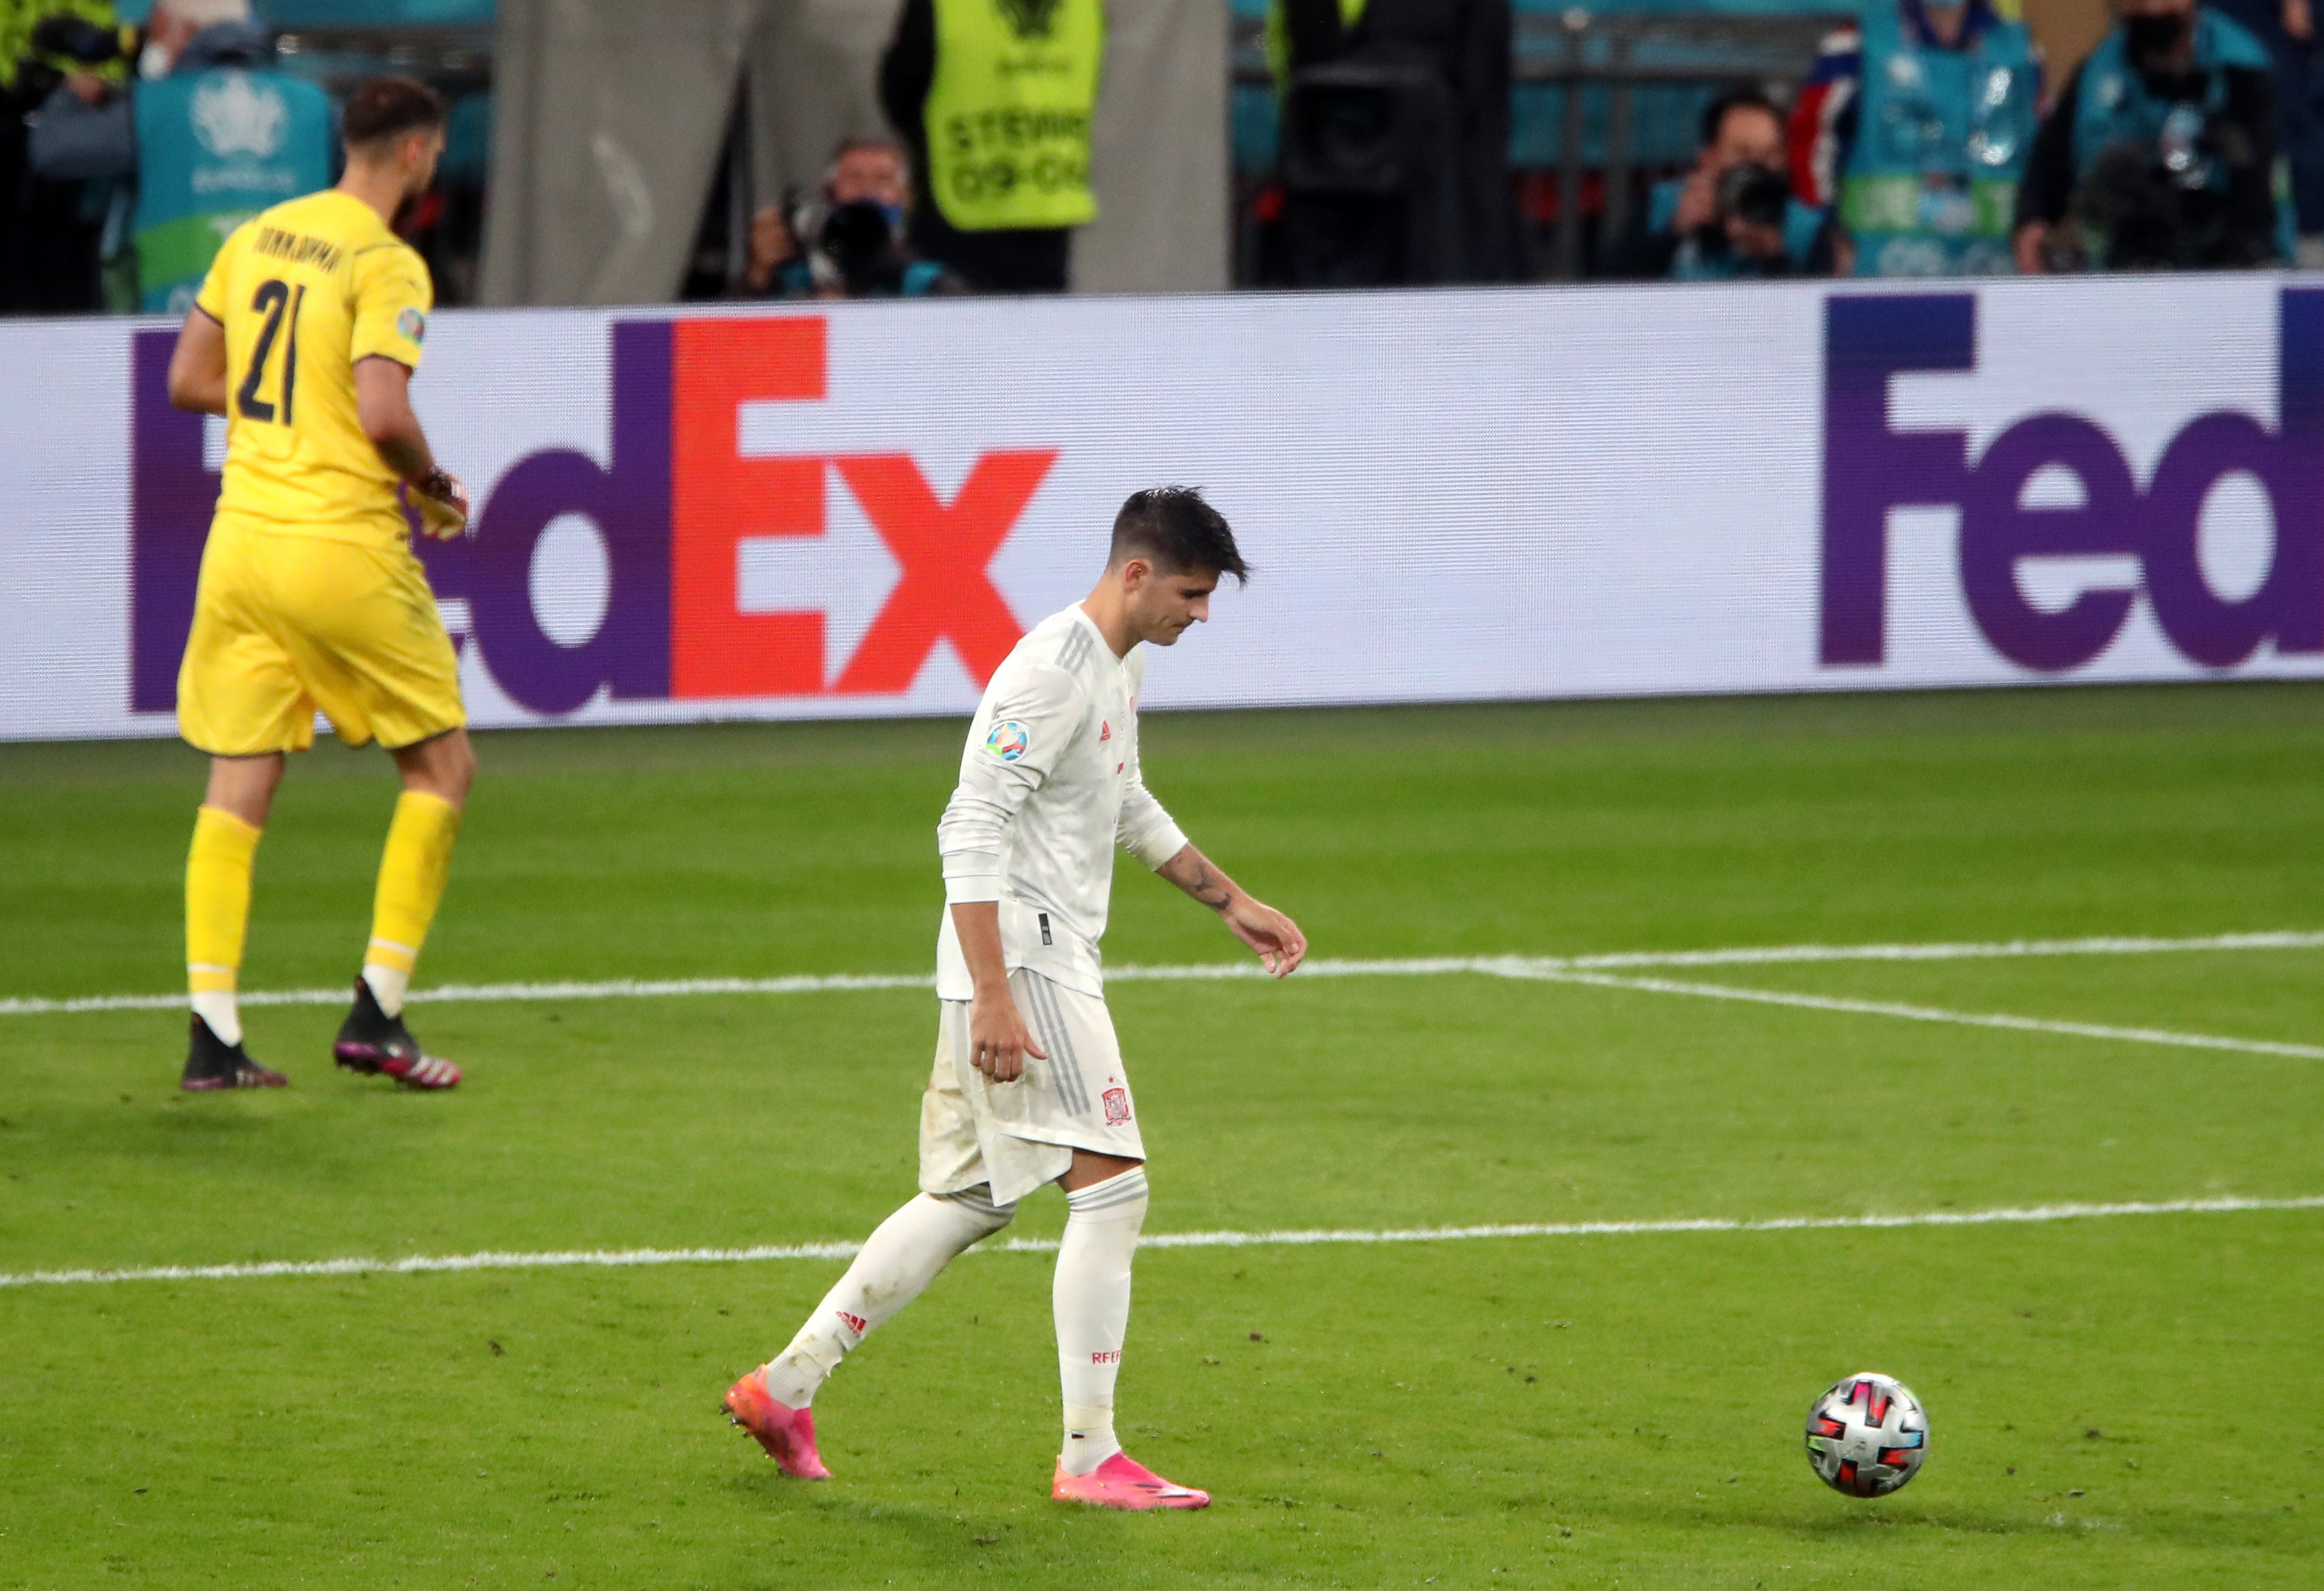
(1018, 1136)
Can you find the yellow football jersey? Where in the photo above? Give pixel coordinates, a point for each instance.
(304, 290)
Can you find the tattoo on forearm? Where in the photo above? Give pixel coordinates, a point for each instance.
(1210, 889)
(1194, 873)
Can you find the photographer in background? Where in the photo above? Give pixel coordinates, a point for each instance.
(2161, 153)
(847, 241)
(1733, 216)
(50, 231)
(210, 133)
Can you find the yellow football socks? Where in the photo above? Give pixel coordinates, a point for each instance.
(412, 875)
(217, 915)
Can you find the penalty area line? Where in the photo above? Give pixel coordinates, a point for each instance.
(1536, 966)
(1966, 1018)
(415, 1264)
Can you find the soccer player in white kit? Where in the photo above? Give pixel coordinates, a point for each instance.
(1029, 1086)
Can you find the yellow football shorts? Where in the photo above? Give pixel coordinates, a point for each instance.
(287, 624)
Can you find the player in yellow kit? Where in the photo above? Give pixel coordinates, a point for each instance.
(305, 337)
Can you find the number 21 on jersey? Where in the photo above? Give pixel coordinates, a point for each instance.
(280, 303)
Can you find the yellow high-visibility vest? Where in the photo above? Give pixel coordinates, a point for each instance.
(1010, 109)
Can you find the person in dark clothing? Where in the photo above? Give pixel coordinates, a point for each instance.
(2161, 154)
(2286, 30)
(48, 232)
(987, 258)
(1461, 50)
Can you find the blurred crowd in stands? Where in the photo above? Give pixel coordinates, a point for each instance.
(129, 151)
(1928, 139)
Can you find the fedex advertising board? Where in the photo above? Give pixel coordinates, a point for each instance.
(853, 509)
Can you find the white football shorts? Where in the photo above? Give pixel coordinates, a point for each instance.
(1019, 1136)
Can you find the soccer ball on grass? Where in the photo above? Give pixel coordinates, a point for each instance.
(1867, 1436)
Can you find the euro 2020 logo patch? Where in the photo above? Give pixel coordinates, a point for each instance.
(412, 326)
(1008, 740)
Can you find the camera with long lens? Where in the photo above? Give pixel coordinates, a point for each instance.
(854, 248)
(2165, 205)
(1753, 193)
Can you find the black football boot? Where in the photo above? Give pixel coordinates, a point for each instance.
(213, 1063)
(376, 1044)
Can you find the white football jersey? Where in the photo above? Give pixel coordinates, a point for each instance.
(1048, 786)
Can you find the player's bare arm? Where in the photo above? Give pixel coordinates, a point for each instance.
(1281, 947)
(198, 366)
(999, 1039)
(383, 406)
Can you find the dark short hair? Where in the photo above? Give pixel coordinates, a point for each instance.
(382, 108)
(1179, 532)
(1741, 97)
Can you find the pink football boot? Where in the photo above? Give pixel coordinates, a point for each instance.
(788, 1434)
(1121, 1482)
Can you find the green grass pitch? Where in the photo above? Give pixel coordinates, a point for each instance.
(2116, 1403)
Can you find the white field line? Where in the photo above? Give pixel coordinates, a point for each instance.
(2030, 1214)
(1490, 966)
(1968, 1019)
(453, 994)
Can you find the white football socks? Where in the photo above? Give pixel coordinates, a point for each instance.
(217, 1008)
(1091, 1299)
(897, 1263)
(389, 985)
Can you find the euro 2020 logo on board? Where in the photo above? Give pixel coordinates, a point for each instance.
(235, 113)
(1872, 466)
(673, 505)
